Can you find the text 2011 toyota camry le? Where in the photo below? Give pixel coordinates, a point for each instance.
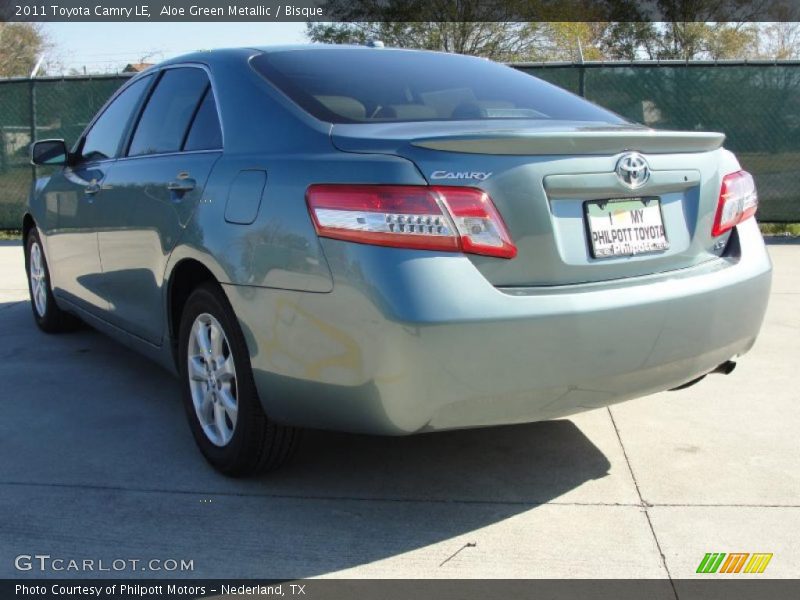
(391, 242)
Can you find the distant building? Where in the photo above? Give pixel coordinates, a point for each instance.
(136, 67)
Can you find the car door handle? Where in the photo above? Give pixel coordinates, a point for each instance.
(182, 185)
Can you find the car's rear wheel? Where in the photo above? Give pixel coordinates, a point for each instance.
(220, 397)
(48, 316)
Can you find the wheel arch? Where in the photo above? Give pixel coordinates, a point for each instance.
(185, 276)
(28, 223)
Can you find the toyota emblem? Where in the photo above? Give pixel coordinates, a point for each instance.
(633, 170)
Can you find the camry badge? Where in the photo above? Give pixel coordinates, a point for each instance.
(479, 175)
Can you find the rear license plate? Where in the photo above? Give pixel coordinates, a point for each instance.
(625, 227)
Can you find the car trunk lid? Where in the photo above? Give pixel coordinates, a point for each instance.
(541, 178)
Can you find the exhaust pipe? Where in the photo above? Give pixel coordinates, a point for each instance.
(725, 368)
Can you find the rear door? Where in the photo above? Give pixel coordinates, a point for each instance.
(75, 196)
(154, 190)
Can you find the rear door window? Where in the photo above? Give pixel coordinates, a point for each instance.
(205, 132)
(169, 111)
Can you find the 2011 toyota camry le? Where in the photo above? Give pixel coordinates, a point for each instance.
(390, 242)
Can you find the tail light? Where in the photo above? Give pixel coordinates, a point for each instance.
(451, 219)
(738, 201)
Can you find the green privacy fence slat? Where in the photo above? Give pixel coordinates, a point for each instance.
(756, 105)
(62, 108)
(15, 132)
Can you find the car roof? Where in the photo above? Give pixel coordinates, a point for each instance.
(220, 54)
(337, 47)
(327, 47)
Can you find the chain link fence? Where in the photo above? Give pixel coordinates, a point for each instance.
(756, 104)
(41, 109)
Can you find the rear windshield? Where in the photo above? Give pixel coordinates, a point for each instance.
(360, 85)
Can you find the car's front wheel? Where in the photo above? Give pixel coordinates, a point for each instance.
(48, 316)
(220, 396)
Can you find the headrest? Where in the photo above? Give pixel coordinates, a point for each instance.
(344, 106)
(407, 112)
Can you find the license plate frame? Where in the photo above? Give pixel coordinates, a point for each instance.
(651, 242)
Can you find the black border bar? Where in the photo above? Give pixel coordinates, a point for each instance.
(709, 587)
(399, 10)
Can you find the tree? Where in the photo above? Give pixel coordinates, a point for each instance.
(489, 29)
(697, 29)
(607, 29)
(21, 44)
(628, 41)
(780, 41)
(573, 40)
(739, 40)
(502, 41)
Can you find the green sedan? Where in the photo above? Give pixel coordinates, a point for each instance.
(391, 242)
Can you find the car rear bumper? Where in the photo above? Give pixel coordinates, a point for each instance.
(410, 341)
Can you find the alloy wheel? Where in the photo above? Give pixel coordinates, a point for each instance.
(212, 379)
(38, 279)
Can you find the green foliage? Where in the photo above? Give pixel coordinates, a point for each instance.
(627, 41)
(10, 234)
(784, 229)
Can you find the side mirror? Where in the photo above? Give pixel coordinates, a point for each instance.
(49, 152)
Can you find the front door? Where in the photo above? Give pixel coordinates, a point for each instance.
(74, 196)
(72, 252)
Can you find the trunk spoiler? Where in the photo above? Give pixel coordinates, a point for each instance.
(578, 142)
(519, 138)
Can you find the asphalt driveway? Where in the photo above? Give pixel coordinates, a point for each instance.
(98, 463)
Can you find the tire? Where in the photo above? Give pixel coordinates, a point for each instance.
(48, 316)
(238, 442)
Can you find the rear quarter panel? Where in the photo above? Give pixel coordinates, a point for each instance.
(264, 131)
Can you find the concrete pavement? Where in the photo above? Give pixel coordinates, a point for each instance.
(98, 463)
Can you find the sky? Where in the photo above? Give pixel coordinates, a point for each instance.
(109, 49)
